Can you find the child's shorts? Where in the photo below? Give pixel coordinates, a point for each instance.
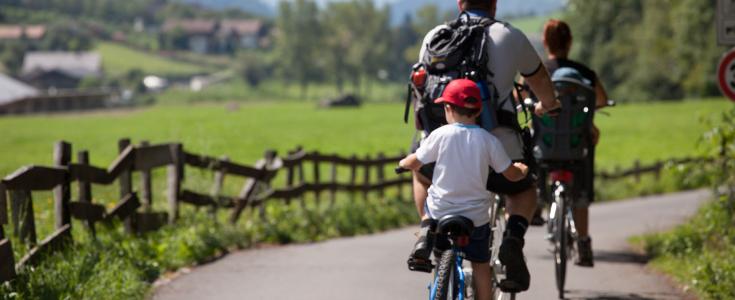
(478, 251)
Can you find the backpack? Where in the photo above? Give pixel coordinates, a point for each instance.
(566, 137)
(457, 50)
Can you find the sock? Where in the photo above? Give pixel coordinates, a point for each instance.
(426, 223)
(517, 226)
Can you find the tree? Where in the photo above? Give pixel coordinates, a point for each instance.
(298, 43)
(644, 52)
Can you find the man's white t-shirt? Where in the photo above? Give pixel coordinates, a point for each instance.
(462, 154)
(510, 54)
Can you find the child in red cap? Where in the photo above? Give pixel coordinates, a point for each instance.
(462, 151)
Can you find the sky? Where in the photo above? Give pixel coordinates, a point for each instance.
(275, 2)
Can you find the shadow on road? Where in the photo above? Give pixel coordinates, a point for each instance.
(620, 257)
(598, 295)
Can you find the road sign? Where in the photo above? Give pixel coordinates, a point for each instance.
(726, 22)
(726, 74)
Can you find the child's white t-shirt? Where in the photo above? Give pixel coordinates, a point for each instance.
(462, 154)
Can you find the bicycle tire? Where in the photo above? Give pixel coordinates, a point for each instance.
(498, 272)
(560, 244)
(445, 277)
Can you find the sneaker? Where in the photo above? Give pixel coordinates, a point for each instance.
(585, 258)
(537, 219)
(517, 278)
(425, 244)
(419, 260)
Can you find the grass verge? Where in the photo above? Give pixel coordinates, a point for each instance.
(700, 254)
(120, 266)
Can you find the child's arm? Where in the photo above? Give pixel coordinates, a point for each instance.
(516, 172)
(410, 162)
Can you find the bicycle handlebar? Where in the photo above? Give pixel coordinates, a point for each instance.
(401, 170)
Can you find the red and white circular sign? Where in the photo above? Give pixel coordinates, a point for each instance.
(726, 74)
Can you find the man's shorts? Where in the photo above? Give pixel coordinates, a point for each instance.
(478, 251)
(496, 182)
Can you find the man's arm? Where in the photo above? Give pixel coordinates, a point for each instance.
(600, 94)
(540, 83)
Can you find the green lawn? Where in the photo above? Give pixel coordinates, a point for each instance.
(118, 60)
(652, 131)
(633, 131)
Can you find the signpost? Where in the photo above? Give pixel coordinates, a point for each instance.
(726, 22)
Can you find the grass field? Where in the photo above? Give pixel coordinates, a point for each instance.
(633, 131)
(118, 60)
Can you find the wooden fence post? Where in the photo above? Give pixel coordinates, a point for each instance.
(333, 190)
(315, 164)
(366, 178)
(85, 188)
(248, 190)
(145, 186)
(175, 175)
(219, 181)
(301, 178)
(381, 175)
(125, 179)
(62, 193)
(353, 176)
(637, 170)
(289, 177)
(23, 214)
(659, 168)
(7, 261)
(3, 211)
(401, 176)
(270, 157)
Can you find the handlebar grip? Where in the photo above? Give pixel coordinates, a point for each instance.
(401, 170)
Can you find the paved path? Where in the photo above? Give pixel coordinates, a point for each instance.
(374, 267)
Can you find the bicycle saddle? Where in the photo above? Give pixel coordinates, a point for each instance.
(456, 225)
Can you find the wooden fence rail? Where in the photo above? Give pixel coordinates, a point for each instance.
(135, 206)
(655, 168)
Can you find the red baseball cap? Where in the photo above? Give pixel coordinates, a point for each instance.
(463, 93)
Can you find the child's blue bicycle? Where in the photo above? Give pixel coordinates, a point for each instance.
(451, 279)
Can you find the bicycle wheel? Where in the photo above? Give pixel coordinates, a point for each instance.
(498, 273)
(560, 241)
(445, 283)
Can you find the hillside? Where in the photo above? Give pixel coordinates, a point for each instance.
(399, 8)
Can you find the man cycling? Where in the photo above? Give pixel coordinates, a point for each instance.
(510, 54)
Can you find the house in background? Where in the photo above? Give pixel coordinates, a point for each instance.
(197, 35)
(213, 36)
(22, 32)
(13, 92)
(19, 98)
(242, 34)
(60, 70)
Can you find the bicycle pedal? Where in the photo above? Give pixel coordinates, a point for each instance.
(420, 265)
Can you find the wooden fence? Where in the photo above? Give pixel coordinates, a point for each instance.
(135, 208)
(638, 170)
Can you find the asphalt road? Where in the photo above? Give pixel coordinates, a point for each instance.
(374, 267)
